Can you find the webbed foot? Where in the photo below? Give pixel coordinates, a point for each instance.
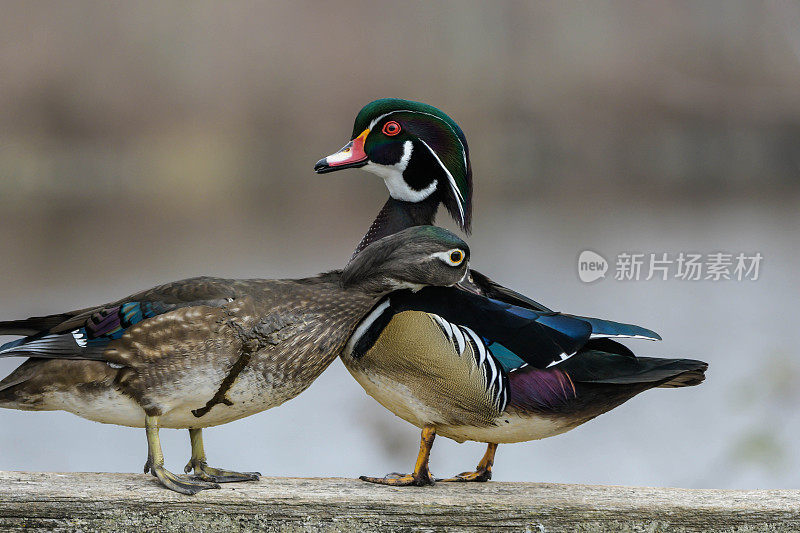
(397, 479)
(477, 475)
(204, 472)
(421, 476)
(178, 484)
(217, 475)
(155, 464)
(483, 472)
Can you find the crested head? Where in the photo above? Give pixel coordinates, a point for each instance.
(410, 259)
(419, 151)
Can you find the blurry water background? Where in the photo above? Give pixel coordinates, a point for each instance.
(146, 142)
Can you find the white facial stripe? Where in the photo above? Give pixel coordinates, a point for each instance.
(456, 191)
(463, 149)
(393, 177)
(375, 121)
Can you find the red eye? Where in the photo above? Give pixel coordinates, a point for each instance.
(391, 128)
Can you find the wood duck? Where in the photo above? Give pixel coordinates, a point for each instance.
(478, 361)
(205, 351)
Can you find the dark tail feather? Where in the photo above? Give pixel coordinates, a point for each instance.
(595, 366)
(690, 378)
(15, 378)
(673, 372)
(38, 324)
(33, 325)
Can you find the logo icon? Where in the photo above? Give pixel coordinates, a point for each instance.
(591, 266)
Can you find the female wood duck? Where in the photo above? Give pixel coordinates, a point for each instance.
(478, 361)
(205, 351)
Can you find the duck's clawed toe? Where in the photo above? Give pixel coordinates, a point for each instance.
(478, 476)
(203, 472)
(155, 464)
(483, 472)
(421, 476)
(396, 479)
(184, 486)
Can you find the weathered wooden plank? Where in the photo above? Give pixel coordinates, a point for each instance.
(31, 501)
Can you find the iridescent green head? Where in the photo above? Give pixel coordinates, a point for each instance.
(419, 151)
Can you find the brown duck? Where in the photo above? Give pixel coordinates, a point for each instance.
(205, 351)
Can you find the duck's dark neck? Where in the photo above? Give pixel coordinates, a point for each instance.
(397, 215)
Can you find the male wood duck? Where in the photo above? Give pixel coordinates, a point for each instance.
(478, 361)
(205, 351)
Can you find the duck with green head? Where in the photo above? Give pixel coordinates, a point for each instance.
(423, 158)
(202, 352)
(477, 361)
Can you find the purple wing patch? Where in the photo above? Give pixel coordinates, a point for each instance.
(109, 324)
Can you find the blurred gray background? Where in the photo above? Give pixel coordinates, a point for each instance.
(152, 141)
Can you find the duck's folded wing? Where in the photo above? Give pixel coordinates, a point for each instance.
(538, 339)
(608, 329)
(515, 333)
(601, 328)
(483, 285)
(84, 334)
(37, 324)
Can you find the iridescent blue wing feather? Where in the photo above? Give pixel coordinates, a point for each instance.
(536, 337)
(539, 339)
(85, 334)
(609, 329)
(88, 341)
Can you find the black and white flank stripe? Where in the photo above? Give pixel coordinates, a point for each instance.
(495, 379)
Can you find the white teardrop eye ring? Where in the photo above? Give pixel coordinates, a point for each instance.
(452, 257)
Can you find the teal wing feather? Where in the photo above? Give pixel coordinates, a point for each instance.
(85, 334)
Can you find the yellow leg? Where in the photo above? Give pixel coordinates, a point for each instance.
(207, 473)
(484, 470)
(155, 464)
(421, 475)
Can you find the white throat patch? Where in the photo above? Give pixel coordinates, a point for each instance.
(454, 187)
(393, 177)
